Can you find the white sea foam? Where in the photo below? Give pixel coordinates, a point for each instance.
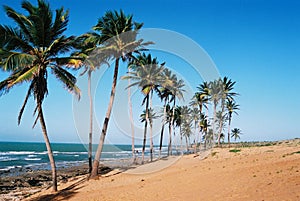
(32, 159)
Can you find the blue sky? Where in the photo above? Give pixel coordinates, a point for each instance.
(255, 43)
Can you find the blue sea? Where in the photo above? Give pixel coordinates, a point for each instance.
(16, 156)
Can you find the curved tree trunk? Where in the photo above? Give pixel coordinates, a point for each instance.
(91, 123)
(162, 128)
(105, 123)
(48, 146)
(145, 128)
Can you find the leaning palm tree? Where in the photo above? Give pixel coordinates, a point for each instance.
(30, 51)
(232, 107)
(118, 35)
(235, 133)
(147, 75)
(226, 93)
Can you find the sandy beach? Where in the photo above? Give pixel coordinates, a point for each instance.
(253, 173)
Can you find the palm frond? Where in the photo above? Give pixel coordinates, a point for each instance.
(67, 79)
(11, 61)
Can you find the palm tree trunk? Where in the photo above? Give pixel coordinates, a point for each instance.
(200, 136)
(170, 139)
(145, 128)
(221, 123)
(229, 122)
(181, 148)
(187, 144)
(151, 131)
(196, 139)
(162, 128)
(214, 122)
(91, 123)
(105, 124)
(131, 119)
(172, 123)
(48, 146)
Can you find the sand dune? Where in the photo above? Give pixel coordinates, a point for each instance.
(255, 173)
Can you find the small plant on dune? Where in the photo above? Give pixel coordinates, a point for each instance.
(234, 150)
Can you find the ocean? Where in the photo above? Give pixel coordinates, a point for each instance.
(17, 156)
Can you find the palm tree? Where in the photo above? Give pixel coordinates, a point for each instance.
(236, 132)
(146, 74)
(231, 108)
(118, 38)
(221, 121)
(201, 97)
(151, 116)
(203, 124)
(195, 116)
(177, 90)
(168, 120)
(214, 89)
(29, 51)
(165, 95)
(86, 45)
(227, 85)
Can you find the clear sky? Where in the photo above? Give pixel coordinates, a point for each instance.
(255, 43)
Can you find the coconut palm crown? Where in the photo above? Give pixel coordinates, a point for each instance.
(30, 50)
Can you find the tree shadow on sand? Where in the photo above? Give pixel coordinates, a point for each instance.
(63, 194)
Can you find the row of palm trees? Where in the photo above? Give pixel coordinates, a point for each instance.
(33, 49)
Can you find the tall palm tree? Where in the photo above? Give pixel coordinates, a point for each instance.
(214, 90)
(226, 93)
(118, 33)
(236, 132)
(204, 125)
(146, 74)
(30, 51)
(168, 120)
(232, 107)
(195, 116)
(177, 90)
(166, 96)
(184, 122)
(221, 121)
(85, 45)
